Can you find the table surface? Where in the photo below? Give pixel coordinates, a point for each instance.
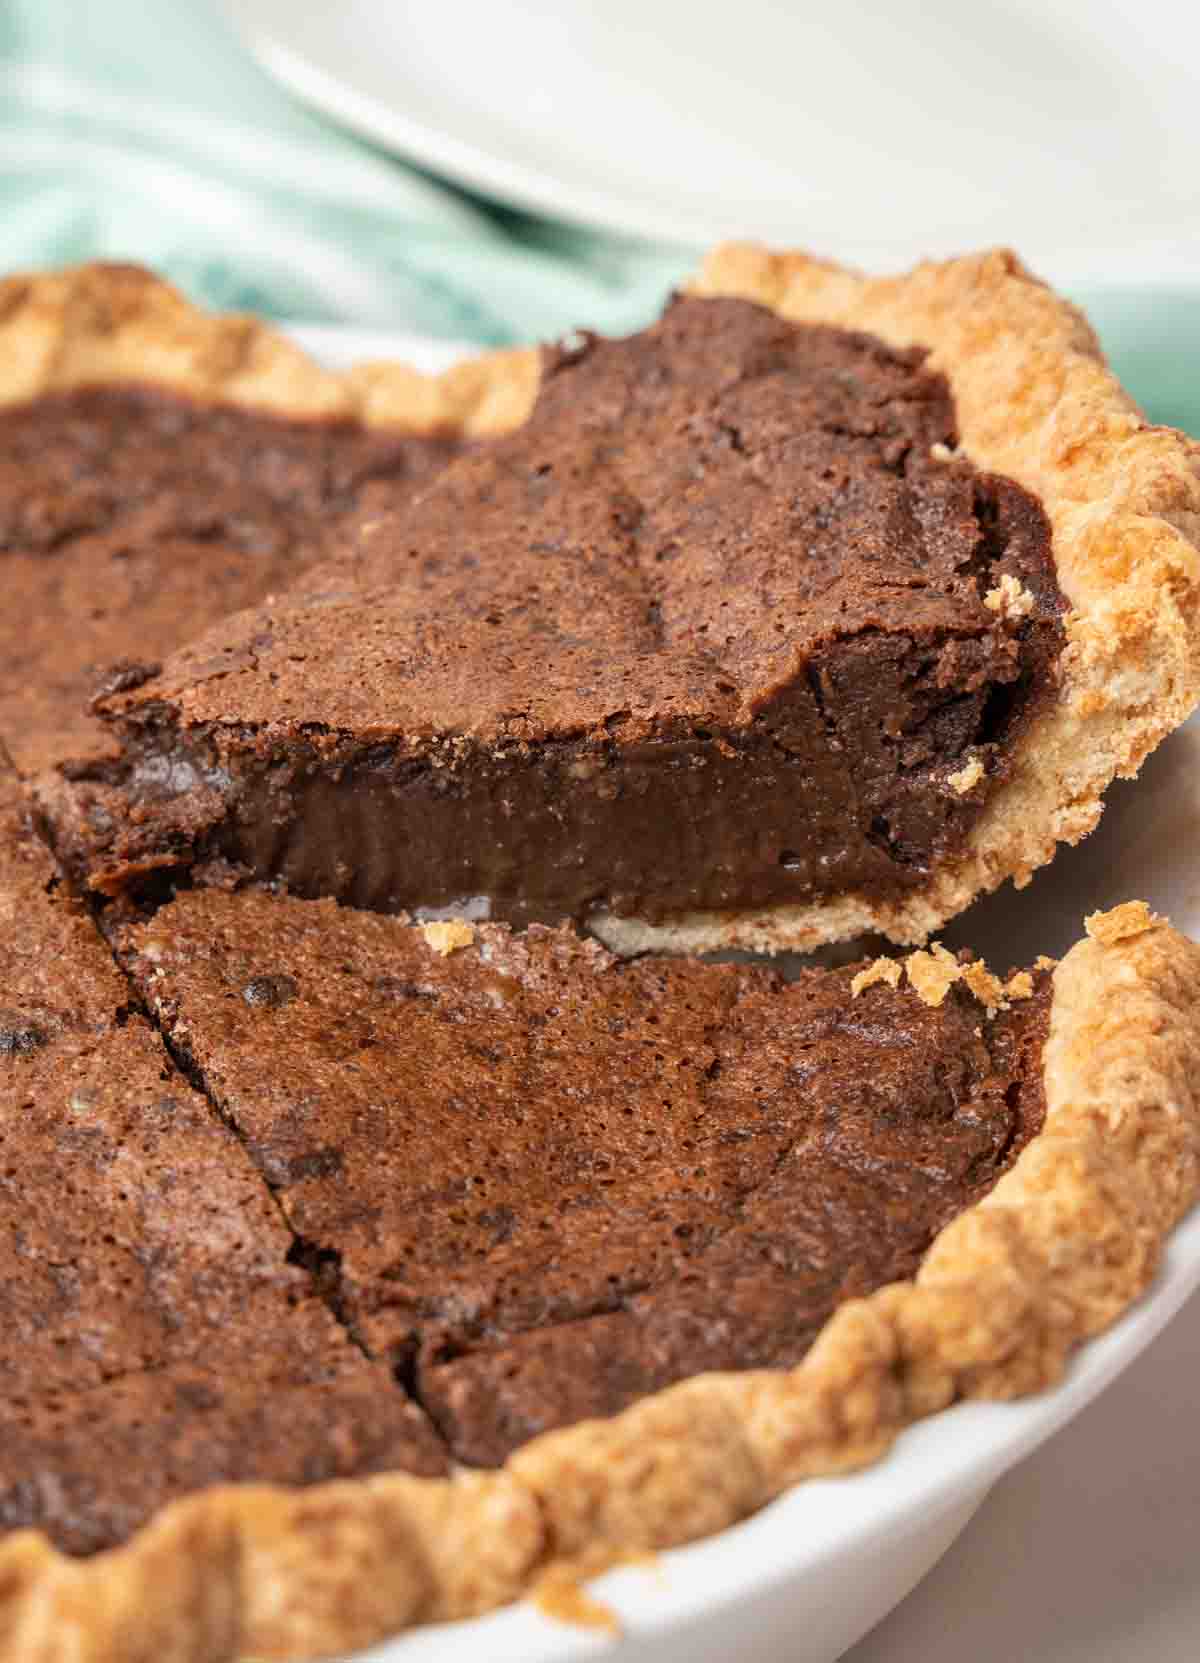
(1088, 1552)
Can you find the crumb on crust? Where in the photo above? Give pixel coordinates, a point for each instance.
(1119, 924)
(446, 938)
(988, 989)
(560, 1593)
(1044, 962)
(1010, 599)
(932, 974)
(967, 777)
(881, 970)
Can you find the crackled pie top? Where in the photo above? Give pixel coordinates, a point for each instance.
(547, 1182)
(453, 1205)
(488, 1185)
(132, 517)
(161, 467)
(157, 1324)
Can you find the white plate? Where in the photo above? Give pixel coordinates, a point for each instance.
(873, 132)
(812, 1573)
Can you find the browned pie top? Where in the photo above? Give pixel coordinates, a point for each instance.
(524, 1183)
(688, 516)
(156, 1325)
(132, 518)
(550, 1181)
(309, 1192)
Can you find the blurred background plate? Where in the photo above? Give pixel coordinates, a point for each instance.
(872, 132)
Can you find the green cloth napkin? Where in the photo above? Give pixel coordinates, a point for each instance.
(142, 130)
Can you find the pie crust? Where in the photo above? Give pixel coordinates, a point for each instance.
(1061, 1246)
(1056, 1251)
(105, 324)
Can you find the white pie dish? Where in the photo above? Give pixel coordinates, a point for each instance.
(813, 1572)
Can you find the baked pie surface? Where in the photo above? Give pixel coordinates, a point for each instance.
(824, 604)
(161, 468)
(1099, 1052)
(549, 1183)
(155, 1321)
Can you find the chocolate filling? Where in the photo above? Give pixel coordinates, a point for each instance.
(548, 1182)
(91, 1467)
(710, 632)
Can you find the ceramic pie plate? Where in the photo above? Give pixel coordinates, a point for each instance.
(813, 1572)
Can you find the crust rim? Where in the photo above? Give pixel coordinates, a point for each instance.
(105, 323)
(1012, 1285)
(1067, 1239)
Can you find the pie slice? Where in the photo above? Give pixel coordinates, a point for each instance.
(823, 605)
(651, 1240)
(160, 468)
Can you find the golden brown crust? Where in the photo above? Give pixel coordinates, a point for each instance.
(104, 324)
(1037, 403)
(250, 1571)
(1061, 1246)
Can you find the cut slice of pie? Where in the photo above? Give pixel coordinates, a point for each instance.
(824, 604)
(161, 468)
(654, 1240)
